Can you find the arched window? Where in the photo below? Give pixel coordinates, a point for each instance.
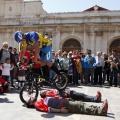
(71, 44)
(115, 45)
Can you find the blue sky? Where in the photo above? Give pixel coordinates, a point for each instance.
(77, 5)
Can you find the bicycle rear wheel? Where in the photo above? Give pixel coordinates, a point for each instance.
(27, 91)
(61, 84)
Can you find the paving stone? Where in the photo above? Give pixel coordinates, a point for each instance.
(11, 108)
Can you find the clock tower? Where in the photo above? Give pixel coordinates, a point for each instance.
(10, 8)
(18, 8)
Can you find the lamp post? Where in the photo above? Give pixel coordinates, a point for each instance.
(46, 35)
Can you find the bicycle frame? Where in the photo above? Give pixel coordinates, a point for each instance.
(31, 76)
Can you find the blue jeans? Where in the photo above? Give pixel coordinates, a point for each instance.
(75, 76)
(113, 77)
(106, 72)
(51, 73)
(80, 96)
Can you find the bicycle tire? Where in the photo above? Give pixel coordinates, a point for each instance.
(62, 84)
(28, 87)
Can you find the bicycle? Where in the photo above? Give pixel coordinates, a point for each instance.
(34, 81)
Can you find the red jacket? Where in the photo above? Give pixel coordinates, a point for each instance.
(55, 93)
(36, 65)
(27, 56)
(42, 104)
(4, 83)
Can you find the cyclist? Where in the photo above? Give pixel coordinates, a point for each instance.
(42, 46)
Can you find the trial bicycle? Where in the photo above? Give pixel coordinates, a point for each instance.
(34, 82)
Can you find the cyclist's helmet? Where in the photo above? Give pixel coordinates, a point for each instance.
(18, 36)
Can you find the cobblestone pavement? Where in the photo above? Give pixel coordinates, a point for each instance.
(11, 108)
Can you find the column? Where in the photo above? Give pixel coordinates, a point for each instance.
(93, 43)
(98, 43)
(56, 41)
(105, 47)
(86, 41)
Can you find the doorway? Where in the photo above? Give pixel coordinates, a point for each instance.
(115, 45)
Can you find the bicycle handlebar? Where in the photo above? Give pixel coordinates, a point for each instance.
(19, 64)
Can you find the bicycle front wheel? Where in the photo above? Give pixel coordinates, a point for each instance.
(27, 91)
(62, 83)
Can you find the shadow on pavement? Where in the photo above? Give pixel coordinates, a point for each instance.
(5, 100)
(51, 115)
(14, 90)
(110, 115)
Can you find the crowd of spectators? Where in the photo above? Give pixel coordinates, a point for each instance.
(80, 67)
(87, 68)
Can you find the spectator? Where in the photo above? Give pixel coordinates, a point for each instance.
(16, 55)
(16, 60)
(83, 74)
(59, 59)
(113, 70)
(13, 63)
(70, 69)
(4, 53)
(59, 55)
(26, 57)
(51, 72)
(64, 62)
(6, 67)
(89, 61)
(76, 66)
(98, 68)
(106, 68)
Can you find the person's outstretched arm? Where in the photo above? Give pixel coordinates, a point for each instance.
(62, 110)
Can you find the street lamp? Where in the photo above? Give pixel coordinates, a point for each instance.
(46, 35)
(50, 38)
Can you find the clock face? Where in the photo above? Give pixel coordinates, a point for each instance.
(10, 8)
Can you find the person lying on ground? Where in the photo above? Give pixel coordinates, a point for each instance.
(4, 86)
(71, 94)
(57, 105)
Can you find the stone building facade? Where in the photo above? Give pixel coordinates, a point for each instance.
(96, 28)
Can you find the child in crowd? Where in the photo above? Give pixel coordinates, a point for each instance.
(6, 67)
